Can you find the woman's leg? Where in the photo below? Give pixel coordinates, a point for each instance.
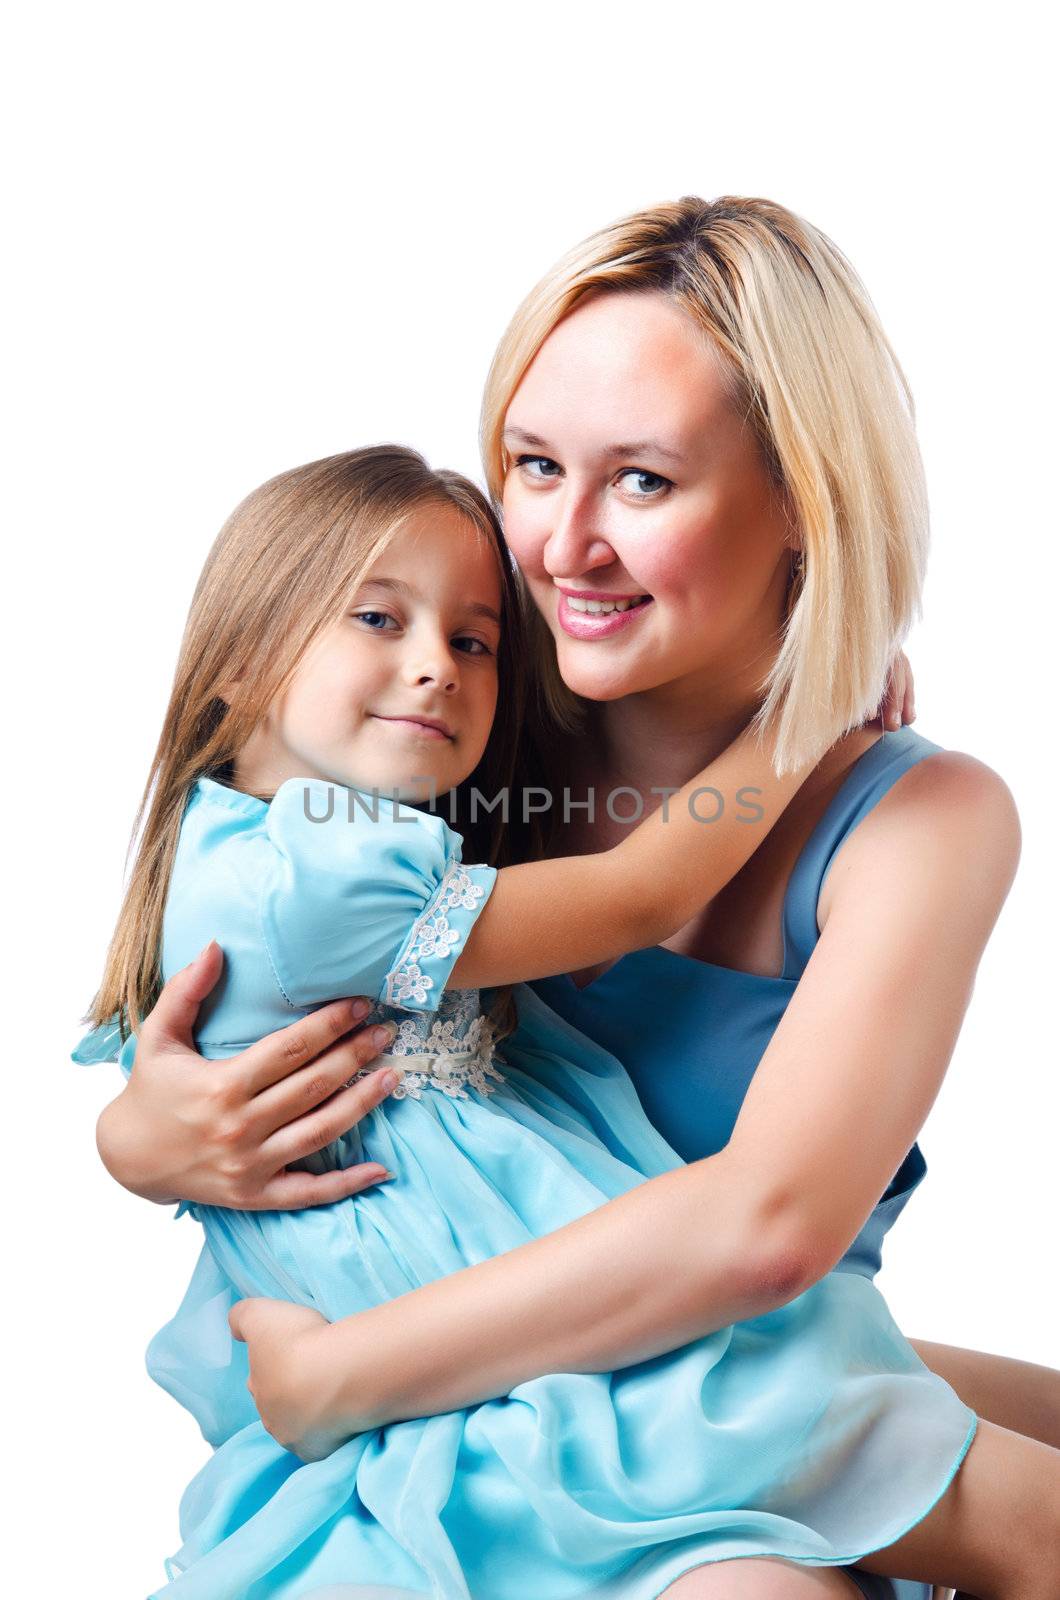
(995, 1534)
(1018, 1395)
(996, 1531)
(765, 1579)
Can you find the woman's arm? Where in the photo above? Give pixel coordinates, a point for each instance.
(640, 891)
(855, 1065)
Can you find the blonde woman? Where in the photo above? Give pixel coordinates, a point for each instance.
(696, 417)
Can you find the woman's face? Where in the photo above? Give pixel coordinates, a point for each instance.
(633, 475)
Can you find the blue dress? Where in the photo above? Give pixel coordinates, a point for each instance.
(711, 1025)
(812, 1433)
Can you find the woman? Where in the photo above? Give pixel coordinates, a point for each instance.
(695, 412)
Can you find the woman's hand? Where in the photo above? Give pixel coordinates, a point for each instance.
(899, 698)
(286, 1346)
(222, 1132)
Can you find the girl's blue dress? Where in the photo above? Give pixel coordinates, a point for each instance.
(813, 1433)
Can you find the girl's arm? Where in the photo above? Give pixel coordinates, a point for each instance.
(854, 1066)
(546, 917)
(643, 890)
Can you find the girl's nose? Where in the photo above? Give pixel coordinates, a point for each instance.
(432, 662)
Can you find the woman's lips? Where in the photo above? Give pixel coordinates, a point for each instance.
(586, 625)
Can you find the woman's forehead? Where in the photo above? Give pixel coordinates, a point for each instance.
(622, 369)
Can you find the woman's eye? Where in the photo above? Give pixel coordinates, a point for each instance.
(651, 483)
(538, 461)
(482, 649)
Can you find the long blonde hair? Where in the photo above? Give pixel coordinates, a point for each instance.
(283, 568)
(810, 366)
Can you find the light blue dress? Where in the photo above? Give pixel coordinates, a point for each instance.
(812, 1433)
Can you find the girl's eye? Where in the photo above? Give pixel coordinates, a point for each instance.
(372, 617)
(653, 484)
(365, 616)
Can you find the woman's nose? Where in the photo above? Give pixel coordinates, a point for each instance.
(575, 543)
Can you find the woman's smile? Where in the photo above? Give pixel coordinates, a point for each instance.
(583, 618)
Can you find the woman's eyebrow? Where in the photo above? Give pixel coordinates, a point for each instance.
(644, 447)
(526, 438)
(398, 586)
(613, 452)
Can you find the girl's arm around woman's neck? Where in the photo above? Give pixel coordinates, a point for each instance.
(568, 912)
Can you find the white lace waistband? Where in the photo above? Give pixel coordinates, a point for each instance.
(447, 1070)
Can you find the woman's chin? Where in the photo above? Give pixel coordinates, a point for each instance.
(601, 680)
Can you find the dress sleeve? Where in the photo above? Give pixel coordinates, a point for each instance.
(362, 895)
(105, 1043)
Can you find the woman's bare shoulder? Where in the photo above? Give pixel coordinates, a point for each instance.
(950, 809)
(946, 787)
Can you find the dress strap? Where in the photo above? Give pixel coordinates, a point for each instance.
(867, 782)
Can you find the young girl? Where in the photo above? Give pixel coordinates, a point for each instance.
(352, 633)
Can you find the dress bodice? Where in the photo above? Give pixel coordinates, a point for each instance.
(710, 1025)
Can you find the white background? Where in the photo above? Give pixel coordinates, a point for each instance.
(248, 235)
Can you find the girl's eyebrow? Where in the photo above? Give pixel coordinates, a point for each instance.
(616, 452)
(397, 586)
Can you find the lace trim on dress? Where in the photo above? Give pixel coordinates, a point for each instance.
(432, 936)
(449, 1066)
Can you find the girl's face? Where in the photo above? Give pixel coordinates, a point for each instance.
(634, 478)
(418, 640)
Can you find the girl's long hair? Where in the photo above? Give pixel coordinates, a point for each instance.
(283, 568)
(811, 368)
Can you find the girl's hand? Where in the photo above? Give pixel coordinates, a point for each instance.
(286, 1347)
(899, 698)
(222, 1132)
